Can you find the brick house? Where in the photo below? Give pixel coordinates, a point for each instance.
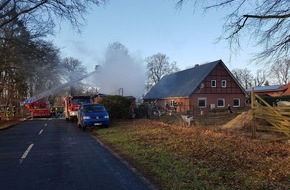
(201, 88)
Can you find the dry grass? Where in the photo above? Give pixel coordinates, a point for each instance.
(4, 124)
(175, 157)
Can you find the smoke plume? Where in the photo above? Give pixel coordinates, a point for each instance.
(120, 73)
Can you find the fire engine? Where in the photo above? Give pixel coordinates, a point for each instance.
(38, 108)
(72, 105)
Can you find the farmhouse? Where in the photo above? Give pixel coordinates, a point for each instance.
(201, 88)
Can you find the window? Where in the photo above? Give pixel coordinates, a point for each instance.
(201, 102)
(171, 103)
(213, 83)
(224, 83)
(236, 102)
(221, 102)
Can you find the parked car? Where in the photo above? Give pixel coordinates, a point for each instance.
(90, 115)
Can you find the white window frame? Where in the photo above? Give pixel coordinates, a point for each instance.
(172, 103)
(211, 83)
(224, 83)
(238, 100)
(223, 100)
(202, 98)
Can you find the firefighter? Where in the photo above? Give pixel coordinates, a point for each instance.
(52, 112)
(8, 112)
(14, 111)
(230, 109)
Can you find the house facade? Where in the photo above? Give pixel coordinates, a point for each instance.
(201, 88)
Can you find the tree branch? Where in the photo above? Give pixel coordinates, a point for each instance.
(268, 16)
(23, 12)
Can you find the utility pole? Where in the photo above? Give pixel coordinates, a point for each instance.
(121, 90)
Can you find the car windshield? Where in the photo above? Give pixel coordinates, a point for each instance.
(94, 108)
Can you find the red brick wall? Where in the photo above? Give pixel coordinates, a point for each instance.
(213, 99)
(212, 94)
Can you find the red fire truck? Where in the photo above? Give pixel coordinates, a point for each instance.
(41, 109)
(38, 109)
(72, 104)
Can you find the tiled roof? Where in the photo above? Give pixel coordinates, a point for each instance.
(182, 83)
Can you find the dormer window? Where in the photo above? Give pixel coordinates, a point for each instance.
(224, 83)
(213, 83)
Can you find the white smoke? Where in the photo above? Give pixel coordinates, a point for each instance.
(120, 73)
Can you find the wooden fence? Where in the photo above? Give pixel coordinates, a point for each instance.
(277, 117)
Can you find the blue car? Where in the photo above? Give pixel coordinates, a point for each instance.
(90, 115)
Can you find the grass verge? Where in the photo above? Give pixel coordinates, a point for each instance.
(174, 157)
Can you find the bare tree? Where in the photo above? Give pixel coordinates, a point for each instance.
(260, 78)
(71, 70)
(28, 64)
(158, 65)
(244, 77)
(265, 22)
(117, 47)
(18, 52)
(280, 71)
(46, 63)
(37, 11)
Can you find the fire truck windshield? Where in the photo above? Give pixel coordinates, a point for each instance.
(81, 101)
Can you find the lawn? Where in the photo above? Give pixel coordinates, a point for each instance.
(178, 157)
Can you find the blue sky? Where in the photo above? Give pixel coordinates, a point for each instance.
(149, 27)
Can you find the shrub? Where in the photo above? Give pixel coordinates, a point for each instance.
(118, 106)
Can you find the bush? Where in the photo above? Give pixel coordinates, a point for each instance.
(118, 106)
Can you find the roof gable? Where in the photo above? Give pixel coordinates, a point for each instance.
(182, 83)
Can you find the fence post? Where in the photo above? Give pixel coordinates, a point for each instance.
(254, 128)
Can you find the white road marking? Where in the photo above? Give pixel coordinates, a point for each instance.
(45, 125)
(26, 153)
(40, 131)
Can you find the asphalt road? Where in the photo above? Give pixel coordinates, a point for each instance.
(55, 154)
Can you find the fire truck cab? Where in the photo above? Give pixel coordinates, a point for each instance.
(72, 105)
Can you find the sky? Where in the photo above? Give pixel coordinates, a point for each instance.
(186, 36)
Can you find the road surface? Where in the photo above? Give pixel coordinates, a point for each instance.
(55, 154)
